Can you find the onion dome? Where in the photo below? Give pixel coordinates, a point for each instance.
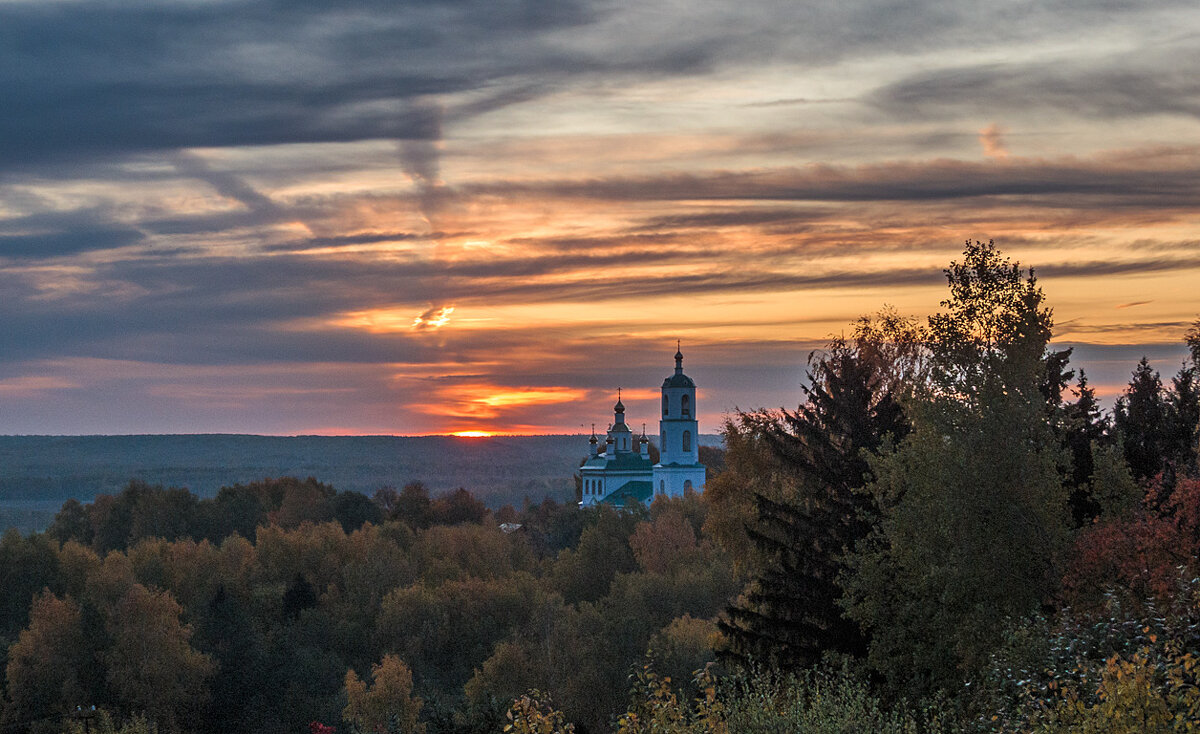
(678, 379)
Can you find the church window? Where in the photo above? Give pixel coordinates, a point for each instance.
(687, 440)
(687, 410)
(687, 485)
(666, 403)
(662, 486)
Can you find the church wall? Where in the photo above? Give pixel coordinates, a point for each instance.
(679, 448)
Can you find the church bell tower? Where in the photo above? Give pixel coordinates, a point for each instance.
(679, 468)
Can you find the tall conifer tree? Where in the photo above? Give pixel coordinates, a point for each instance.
(790, 614)
(1183, 420)
(1083, 427)
(1139, 419)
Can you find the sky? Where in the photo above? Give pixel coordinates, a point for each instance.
(435, 216)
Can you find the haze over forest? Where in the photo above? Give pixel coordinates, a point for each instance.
(39, 473)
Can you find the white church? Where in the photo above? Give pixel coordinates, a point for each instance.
(620, 473)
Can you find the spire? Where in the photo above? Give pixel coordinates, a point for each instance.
(593, 439)
(678, 359)
(619, 409)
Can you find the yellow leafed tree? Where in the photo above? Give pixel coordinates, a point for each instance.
(152, 667)
(387, 704)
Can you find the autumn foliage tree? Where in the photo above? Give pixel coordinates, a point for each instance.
(47, 664)
(385, 703)
(1142, 553)
(663, 544)
(972, 503)
(152, 667)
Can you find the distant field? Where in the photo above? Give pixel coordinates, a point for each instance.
(39, 473)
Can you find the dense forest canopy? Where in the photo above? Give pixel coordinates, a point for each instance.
(946, 534)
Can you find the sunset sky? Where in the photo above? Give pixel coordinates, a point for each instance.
(434, 216)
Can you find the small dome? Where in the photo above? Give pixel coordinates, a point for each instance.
(678, 380)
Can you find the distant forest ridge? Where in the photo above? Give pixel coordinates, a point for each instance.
(39, 473)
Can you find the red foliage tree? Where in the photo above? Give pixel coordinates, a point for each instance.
(1142, 553)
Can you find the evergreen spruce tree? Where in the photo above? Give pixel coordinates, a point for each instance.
(227, 633)
(1139, 421)
(790, 614)
(1183, 420)
(1083, 427)
(298, 596)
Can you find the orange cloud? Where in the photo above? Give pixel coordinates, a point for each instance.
(433, 319)
(992, 139)
(390, 320)
(493, 409)
(530, 396)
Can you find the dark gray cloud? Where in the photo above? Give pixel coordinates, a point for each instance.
(917, 181)
(732, 218)
(53, 234)
(83, 79)
(98, 78)
(58, 244)
(1154, 81)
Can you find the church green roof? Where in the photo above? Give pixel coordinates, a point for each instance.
(620, 462)
(624, 461)
(629, 462)
(630, 492)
